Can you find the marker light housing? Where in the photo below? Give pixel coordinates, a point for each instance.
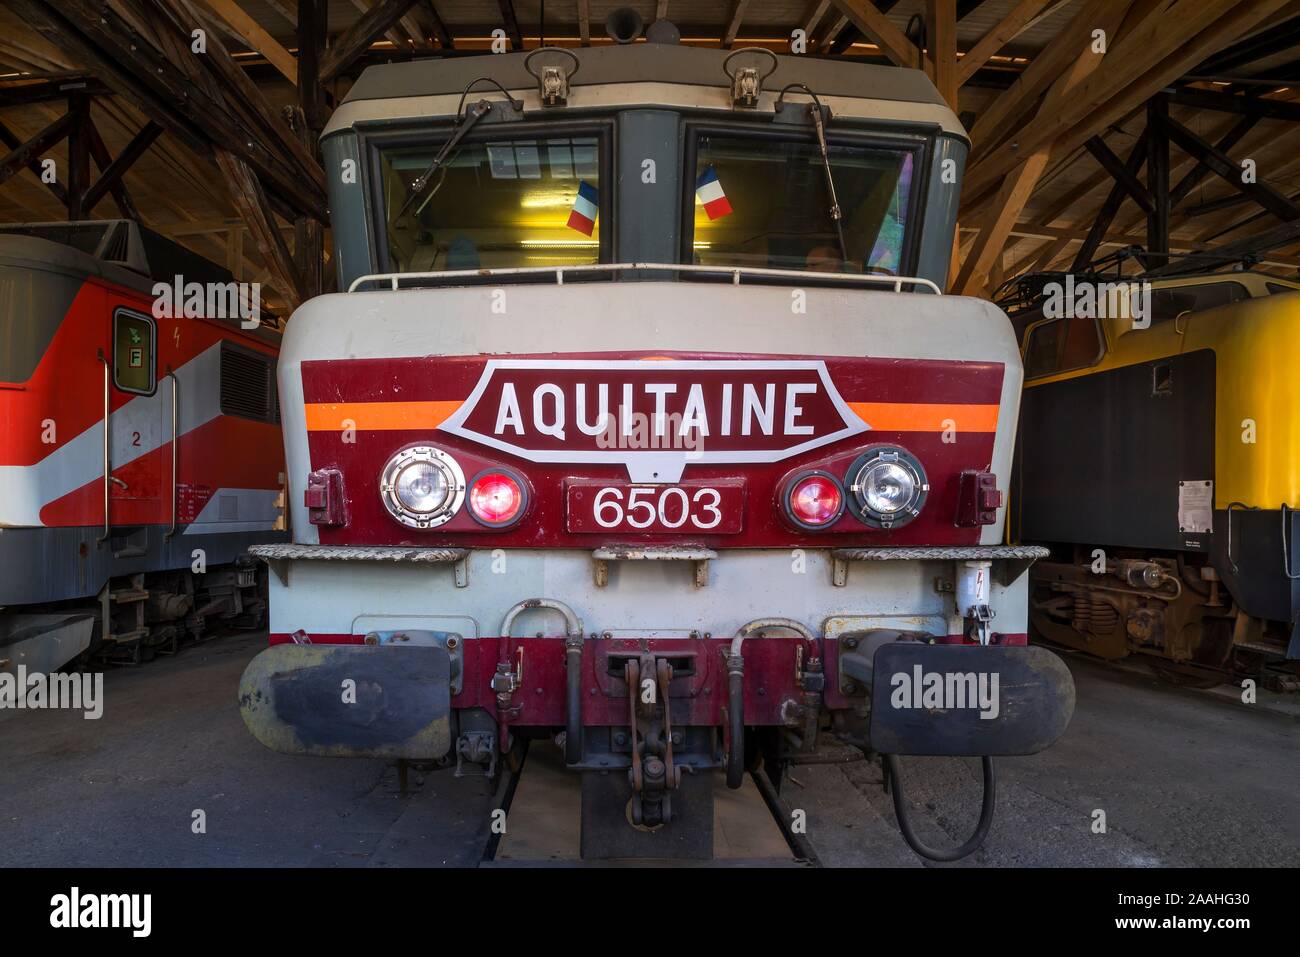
(813, 500)
(422, 487)
(497, 497)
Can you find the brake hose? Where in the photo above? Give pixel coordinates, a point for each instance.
(905, 822)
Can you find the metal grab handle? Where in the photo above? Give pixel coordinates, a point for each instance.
(572, 623)
(1286, 542)
(176, 384)
(108, 468)
(1232, 562)
(395, 281)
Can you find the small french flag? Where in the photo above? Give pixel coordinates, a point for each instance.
(709, 192)
(583, 217)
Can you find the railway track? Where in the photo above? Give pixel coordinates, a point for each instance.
(538, 802)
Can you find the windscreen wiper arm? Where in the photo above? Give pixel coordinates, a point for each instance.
(475, 113)
(815, 108)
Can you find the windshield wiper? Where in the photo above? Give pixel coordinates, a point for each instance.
(819, 126)
(475, 113)
(815, 108)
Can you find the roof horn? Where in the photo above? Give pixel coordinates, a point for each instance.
(624, 25)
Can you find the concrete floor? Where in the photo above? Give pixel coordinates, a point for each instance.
(1184, 778)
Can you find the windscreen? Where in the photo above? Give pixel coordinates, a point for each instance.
(531, 201)
(765, 202)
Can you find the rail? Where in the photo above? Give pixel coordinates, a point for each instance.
(108, 468)
(176, 384)
(395, 281)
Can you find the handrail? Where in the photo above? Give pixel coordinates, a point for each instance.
(176, 383)
(108, 469)
(395, 280)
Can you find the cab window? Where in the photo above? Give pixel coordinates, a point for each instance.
(505, 201)
(1060, 345)
(133, 352)
(1171, 302)
(764, 201)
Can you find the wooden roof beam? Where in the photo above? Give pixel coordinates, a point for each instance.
(394, 35)
(440, 31)
(1230, 139)
(157, 84)
(229, 82)
(256, 213)
(999, 221)
(1143, 60)
(252, 33)
(998, 37)
(1106, 215)
(738, 8)
(941, 57)
(1223, 166)
(1069, 49)
(27, 153)
(358, 37)
(13, 142)
(55, 88)
(864, 15)
(511, 22)
(1233, 103)
(112, 170)
(827, 32)
(812, 15)
(1124, 175)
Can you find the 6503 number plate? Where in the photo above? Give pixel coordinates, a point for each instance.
(716, 508)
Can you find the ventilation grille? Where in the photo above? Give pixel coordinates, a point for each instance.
(248, 384)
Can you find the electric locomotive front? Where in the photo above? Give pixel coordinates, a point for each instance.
(643, 426)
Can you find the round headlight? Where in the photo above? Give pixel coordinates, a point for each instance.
(888, 487)
(422, 487)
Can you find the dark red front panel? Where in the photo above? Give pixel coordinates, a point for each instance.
(361, 412)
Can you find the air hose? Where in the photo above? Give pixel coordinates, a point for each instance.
(905, 822)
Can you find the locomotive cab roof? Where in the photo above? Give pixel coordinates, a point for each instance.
(652, 74)
(644, 153)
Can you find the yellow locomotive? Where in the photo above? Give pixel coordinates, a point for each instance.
(1159, 458)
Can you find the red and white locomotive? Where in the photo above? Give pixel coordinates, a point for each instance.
(140, 450)
(642, 426)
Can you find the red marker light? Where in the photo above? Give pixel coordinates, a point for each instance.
(496, 498)
(815, 500)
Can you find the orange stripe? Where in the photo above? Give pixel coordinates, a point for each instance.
(927, 417)
(367, 416)
(886, 416)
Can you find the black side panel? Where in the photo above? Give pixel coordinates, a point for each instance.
(1256, 573)
(1100, 456)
